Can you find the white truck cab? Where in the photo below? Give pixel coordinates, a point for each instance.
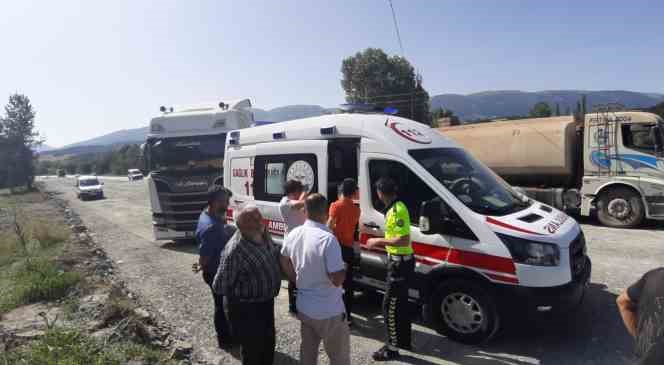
(483, 250)
(89, 187)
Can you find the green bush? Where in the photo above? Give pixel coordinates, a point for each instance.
(37, 280)
(67, 347)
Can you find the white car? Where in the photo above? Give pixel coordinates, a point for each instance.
(134, 174)
(89, 187)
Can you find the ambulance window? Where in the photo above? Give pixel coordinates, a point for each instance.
(275, 175)
(272, 171)
(412, 190)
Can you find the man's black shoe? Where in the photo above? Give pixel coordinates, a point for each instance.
(385, 354)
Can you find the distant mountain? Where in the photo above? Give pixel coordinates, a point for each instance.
(289, 112)
(491, 104)
(43, 148)
(136, 135)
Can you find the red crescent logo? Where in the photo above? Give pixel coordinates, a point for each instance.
(410, 133)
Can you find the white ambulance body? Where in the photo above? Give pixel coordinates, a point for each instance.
(483, 250)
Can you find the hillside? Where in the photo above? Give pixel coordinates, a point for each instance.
(136, 135)
(490, 104)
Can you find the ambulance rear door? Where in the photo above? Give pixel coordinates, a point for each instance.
(277, 162)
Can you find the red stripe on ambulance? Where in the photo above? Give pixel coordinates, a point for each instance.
(498, 223)
(458, 257)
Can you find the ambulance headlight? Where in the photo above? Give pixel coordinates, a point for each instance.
(531, 253)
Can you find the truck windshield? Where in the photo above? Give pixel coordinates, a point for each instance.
(186, 153)
(475, 185)
(89, 182)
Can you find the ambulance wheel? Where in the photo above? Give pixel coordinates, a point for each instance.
(464, 311)
(620, 207)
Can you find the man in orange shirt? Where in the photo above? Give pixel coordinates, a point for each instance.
(344, 216)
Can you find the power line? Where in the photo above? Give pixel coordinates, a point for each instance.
(396, 27)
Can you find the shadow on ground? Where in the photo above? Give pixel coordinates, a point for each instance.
(593, 334)
(184, 246)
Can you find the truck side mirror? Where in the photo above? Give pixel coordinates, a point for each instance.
(657, 137)
(434, 216)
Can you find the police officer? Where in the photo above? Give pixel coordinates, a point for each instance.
(400, 268)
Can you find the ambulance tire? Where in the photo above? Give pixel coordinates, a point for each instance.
(620, 207)
(464, 311)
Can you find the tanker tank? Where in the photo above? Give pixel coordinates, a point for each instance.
(536, 152)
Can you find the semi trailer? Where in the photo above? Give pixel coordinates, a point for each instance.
(608, 162)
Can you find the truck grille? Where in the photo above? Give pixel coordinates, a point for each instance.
(577, 256)
(182, 200)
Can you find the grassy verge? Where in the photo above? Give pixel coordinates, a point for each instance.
(32, 269)
(38, 280)
(68, 346)
(28, 271)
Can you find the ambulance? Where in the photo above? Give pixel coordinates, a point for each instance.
(483, 250)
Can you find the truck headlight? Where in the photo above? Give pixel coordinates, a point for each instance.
(530, 252)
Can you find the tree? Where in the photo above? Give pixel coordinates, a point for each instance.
(445, 116)
(657, 109)
(540, 110)
(373, 77)
(557, 109)
(21, 139)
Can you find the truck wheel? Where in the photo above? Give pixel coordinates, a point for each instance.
(464, 311)
(620, 207)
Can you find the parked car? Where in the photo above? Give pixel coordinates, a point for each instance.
(134, 174)
(89, 187)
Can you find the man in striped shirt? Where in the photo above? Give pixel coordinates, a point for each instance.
(250, 277)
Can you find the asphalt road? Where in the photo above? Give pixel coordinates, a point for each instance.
(161, 274)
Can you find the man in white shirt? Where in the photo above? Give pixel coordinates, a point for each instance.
(311, 256)
(291, 208)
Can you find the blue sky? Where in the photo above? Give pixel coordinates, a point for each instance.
(92, 67)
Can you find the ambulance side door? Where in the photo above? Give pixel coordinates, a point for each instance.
(430, 250)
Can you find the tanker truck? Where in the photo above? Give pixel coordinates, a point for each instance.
(608, 163)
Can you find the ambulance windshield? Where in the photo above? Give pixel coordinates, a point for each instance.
(475, 185)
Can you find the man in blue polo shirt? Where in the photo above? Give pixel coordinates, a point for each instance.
(212, 233)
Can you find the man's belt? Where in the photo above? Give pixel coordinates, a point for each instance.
(400, 257)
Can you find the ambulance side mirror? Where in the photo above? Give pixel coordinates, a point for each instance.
(434, 216)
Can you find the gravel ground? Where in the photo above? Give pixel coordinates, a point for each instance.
(161, 274)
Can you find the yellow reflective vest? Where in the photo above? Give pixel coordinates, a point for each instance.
(397, 224)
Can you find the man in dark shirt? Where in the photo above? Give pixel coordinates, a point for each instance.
(250, 277)
(212, 235)
(642, 309)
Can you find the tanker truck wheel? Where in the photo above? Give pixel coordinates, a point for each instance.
(620, 207)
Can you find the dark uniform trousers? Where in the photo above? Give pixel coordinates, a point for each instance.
(221, 323)
(396, 309)
(253, 325)
(348, 255)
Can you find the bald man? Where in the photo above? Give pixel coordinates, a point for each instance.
(250, 277)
